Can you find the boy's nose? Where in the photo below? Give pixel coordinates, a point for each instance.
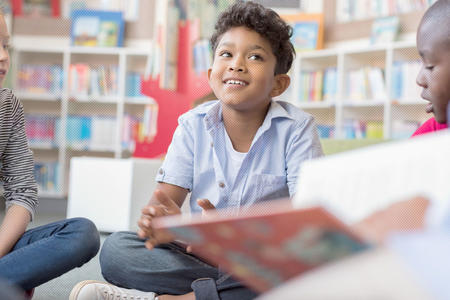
(236, 68)
(420, 79)
(3, 54)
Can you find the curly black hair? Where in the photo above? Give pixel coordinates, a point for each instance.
(264, 21)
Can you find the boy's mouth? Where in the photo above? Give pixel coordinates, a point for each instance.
(2, 72)
(235, 82)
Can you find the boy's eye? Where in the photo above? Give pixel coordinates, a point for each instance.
(429, 68)
(255, 57)
(225, 54)
(6, 46)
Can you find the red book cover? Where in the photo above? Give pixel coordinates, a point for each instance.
(266, 244)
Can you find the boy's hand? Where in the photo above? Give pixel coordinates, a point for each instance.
(400, 216)
(206, 205)
(161, 205)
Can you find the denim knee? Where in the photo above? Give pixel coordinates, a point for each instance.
(112, 252)
(87, 236)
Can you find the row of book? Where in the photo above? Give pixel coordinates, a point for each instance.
(326, 131)
(86, 80)
(91, 132)
(318, 85)
(133, 84)
(46, 175)
(401, 129)
(40, 79)
(352, 10)
(404, 85)
(139, 129)
(357, 129)
(365, 83)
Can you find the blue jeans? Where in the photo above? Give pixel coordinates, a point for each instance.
(48, 251)
(167, 269)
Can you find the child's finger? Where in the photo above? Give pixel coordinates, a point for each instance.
(205, 204)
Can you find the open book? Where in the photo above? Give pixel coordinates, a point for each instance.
(267, 244)
(272, 241)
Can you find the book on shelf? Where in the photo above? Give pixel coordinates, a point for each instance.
(139, 129)
(40, 79)
(41, 131)
(96, 28)
(91, 133)
(266, 244)
(357, 129)
(320, 85)
(85, 80)
(46, 176)
(384, 30)
(404, 87)
(366, 83)
(354, 10)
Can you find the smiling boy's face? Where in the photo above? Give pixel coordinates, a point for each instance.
(433, 44)
(242, 74)
(4, 54)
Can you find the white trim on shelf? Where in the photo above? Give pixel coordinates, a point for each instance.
(401, 102)
(316, 104)
(140, 100)
(363, 103)
(95, 99)
(38, 96)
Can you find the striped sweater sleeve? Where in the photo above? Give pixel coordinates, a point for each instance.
(16, 158)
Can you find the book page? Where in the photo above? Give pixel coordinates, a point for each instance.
(354, 184)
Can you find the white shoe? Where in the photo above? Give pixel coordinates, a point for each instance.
(98, 290)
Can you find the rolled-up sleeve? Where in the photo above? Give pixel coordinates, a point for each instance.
(17, 164)
(177, 168)
(305, 145)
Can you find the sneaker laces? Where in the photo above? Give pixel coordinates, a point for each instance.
(110, 292)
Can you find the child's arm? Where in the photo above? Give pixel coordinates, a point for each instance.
(12, 228)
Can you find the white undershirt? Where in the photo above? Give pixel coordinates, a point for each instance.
(235, 160)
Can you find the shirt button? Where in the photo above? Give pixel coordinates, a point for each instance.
(221, 185)
(212, 145)
(161, 171)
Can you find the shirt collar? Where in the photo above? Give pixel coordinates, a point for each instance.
(213, 114)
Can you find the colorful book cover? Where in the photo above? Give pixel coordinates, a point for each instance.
(97, 28)
(384, 30)
(268, 244)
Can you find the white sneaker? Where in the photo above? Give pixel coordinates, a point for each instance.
(98, 290)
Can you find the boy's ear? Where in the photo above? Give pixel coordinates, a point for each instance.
(209, 74)
(282, 82)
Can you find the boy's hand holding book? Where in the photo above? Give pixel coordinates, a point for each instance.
(161, 205)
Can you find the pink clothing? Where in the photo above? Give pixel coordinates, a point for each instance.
(429, 126)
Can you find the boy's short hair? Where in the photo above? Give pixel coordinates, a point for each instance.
(439, 14)
(264, 21)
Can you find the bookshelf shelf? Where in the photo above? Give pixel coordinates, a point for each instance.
(382, 101)
(139, 100)
(38, 96)
(317, 105)
(70, 110)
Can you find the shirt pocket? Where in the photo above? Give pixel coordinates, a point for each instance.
(270, 187)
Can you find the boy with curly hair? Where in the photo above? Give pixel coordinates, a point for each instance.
(241, 149)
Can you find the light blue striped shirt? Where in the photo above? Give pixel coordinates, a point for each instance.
(197, 157)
